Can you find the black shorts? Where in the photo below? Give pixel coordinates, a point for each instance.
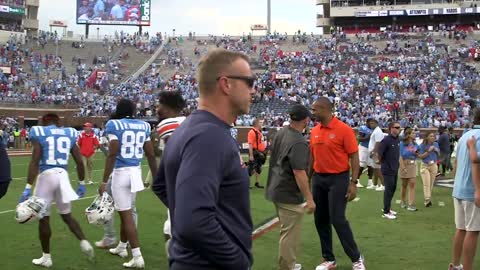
(3, 188)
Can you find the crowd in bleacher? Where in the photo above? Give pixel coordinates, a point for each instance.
(424, 79)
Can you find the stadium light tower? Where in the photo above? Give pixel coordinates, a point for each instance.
(269, 15)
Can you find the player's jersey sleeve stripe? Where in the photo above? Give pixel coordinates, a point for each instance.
(167, 128)
(116, 124)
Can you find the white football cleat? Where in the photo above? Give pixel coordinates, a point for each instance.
(136, 262)
(106, 243)
(43, 261)
(87, 249)
(122, 252)
(297, 266)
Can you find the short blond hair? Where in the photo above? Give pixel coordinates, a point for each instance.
(211, 65)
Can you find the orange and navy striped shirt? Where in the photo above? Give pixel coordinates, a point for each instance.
(167, 126)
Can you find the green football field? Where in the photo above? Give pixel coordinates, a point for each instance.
(419, 240)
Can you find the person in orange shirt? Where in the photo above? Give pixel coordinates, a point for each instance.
(256, 150)
(333, 151)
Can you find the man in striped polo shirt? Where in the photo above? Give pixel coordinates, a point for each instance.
(169, 109)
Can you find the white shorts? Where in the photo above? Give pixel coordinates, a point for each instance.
(122, 179)
(167, 227)
(467, 215)
(363, 155)
(49, 188)
(372, 163)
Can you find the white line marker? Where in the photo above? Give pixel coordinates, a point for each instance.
(398, 201)
(84, 198)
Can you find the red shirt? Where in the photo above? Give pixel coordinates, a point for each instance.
(87, 144)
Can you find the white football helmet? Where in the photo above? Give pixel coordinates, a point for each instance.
(32, 209)
(101, 210)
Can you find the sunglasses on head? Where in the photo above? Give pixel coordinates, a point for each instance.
(249, 80)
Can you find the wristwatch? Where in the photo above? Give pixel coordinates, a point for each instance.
(354, 181)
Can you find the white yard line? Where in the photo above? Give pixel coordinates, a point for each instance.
(84, 198)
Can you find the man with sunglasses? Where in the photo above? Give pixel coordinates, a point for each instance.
(389, 156)
(210, 230)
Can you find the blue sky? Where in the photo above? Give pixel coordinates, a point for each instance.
(200, 16)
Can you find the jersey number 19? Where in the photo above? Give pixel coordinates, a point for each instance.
(58, 149)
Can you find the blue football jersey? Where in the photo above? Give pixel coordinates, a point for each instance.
(131, 135)
(56, 144)
(366, 131)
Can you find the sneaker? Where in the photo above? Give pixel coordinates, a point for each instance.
(412, 208)
(136, 262)
(452, 267)
(106, 243)
(90, 182)
(380, 188)
(326, 265)
(257, 185)
(359, 185)
(391, 212)
(388, 216)
(87, 249)
(403, 205)
(428, 204)
(371, 186)
(43, 261)
(297, 266)
(359, 265)
(119, 251)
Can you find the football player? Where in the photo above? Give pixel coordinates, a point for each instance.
(129, 139)
(52, 147)
(109, 238)
(169, 109)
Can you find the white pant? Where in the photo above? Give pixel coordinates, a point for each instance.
(167, 226)
(363, 156)
(125, 184)
(54, 185)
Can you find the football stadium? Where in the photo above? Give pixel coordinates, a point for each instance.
(125, 145)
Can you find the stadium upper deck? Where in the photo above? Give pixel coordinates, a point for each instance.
(374, 16)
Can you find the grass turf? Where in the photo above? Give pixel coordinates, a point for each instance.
(419, 240)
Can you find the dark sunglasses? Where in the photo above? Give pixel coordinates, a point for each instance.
(396, 127)
(249, 80)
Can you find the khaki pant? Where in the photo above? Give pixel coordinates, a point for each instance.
(428, 173)
(290, 216)
(88, 163)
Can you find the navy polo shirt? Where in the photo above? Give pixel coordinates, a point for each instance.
(204, 182)
(389, 154)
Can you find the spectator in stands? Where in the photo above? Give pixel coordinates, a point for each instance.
(118, 13)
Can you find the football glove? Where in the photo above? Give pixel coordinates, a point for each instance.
(25, 195)
(81, 189)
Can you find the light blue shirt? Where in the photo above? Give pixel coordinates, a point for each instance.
(117, 12)
(55, 143)
(131, 135)
(99, 7)
(463, 187)
(432, 156)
